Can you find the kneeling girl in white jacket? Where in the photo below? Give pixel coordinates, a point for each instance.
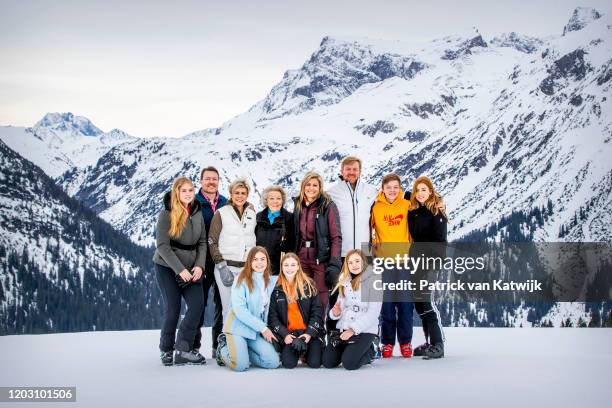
(357, 312)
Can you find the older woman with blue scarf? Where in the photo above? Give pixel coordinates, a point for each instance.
(274, 229)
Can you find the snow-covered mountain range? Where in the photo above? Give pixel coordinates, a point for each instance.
(62, 267)
(501, 125)
(62, 141)
(504, 126)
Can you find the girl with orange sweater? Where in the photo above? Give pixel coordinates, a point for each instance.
(295, 315)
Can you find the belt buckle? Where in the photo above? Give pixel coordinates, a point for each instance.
(307, 244)
(356, 308)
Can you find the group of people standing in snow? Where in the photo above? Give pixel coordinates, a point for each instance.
(291, 286)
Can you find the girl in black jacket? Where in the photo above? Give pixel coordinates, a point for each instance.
(295, 315)
(427, 223)
(275, 230)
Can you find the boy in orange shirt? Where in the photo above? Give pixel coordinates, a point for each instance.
(390, 234)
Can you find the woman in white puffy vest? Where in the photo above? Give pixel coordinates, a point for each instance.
(231, 237)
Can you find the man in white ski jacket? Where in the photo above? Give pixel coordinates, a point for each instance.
(353, 198)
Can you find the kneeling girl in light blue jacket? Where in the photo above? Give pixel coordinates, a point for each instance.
(246, 338)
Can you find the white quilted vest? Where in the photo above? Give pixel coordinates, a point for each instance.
(237, 236)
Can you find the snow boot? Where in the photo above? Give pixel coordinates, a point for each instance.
(376, 353)
(387, 350)
(222, 342)
(406, 350)
(419, 351)
(434, 351)
(188, 357)
(197, 351)
(166, 358)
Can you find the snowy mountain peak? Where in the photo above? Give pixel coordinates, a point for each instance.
(68, 122)
(464, 47)
(520, 42)
(118, 133)
(337, 69)
(580, 18)
(61, 141)
(342, 65)
(115, 136)
(198, 134)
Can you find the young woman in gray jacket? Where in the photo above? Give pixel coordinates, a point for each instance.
(179, 260)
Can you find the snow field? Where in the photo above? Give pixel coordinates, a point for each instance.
(483, 367)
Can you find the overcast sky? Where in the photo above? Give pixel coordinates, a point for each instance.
(156, 68)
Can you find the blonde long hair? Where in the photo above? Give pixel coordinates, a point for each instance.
(345, 274)
(301, 283)
(309, 176)
(432, 202)
(178, 213)
(246, 275)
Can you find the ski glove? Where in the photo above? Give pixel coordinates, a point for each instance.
(181, 283)
(334, 338)
(331, 275)
(226, 275)
(299, 346)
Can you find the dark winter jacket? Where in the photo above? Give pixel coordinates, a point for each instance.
(426, 227)
(207, 211)
(327, 237)
(188, 249)
(310, 309)
(277, 237)
(428, 233)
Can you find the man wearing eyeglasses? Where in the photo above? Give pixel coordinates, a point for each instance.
(210, 201)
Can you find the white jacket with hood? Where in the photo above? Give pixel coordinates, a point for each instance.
(354, 208)
(360, 308)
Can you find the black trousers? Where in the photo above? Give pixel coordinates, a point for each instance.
(207, 283)
(431, 324)
(289, 358)
(171, 295)
(351, 355)
(330, 324)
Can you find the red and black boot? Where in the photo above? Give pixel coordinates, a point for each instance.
(406, 350)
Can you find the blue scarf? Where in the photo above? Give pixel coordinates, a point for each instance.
(272, 215)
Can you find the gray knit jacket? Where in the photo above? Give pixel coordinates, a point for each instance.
(167, 253)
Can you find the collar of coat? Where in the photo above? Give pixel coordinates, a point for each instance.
(204, 202)
(366, 277)
(194, 207)
(383, 199)
(279, 288)
(318, 203)
(262, 216)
